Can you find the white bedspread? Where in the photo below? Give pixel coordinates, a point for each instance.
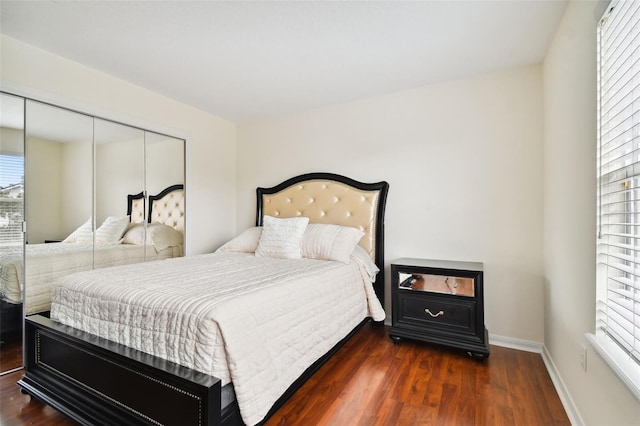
(47, 262)
(258, 322)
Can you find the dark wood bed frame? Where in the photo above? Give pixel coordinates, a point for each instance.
(98, 382)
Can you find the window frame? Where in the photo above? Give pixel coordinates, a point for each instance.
(606, 339)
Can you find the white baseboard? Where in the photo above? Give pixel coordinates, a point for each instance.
(529, 346)
(513, 343)
(565, 397)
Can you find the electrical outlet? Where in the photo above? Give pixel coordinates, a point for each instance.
(583, 357)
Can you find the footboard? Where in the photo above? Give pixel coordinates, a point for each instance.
(95, 381)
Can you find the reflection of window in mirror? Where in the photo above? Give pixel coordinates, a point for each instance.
(11, 169)
(11, 194)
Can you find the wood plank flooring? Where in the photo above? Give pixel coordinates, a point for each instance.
(371, 381)
(11, 354)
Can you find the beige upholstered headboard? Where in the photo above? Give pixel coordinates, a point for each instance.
(334, 199)
(167, 207)
(136, 208)
(328, 202)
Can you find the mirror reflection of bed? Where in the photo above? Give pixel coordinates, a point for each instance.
(79, 171)
(117, 241)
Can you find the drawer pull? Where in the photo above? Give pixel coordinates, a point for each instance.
(432, 314)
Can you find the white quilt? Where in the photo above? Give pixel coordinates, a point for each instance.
(258, 322)
(47, 262)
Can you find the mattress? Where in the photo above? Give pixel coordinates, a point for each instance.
(254, 321)
(47, 262)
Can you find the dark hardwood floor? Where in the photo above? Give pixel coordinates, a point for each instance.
(11, 353)
(371, 381)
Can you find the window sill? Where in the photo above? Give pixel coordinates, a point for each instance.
(625, 368)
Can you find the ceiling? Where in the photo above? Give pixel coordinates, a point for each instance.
(253, 60)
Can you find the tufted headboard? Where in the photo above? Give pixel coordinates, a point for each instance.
(167, 207)
(334, 199)
(136, 207)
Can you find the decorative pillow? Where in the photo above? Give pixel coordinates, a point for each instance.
(84, 233)
(281, 238)
(330, 242)
(111, 230)
(157, 234)
(245, 242)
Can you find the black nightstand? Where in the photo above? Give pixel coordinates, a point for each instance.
(440, 302)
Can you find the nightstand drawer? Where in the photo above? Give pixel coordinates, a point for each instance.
(437, 312)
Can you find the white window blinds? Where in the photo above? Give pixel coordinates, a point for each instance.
(618, 298)
(11, 199)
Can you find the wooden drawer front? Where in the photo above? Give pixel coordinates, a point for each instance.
(445, 313)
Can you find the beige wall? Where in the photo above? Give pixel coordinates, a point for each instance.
(464, 164)
(44, 203)
(76, 190)
(570, 221)
(11, 141)
(119, 171)
(211, 157)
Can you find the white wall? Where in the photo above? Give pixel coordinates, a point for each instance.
(119, 171)
(570, 220)
(464, 164)
(211, 157)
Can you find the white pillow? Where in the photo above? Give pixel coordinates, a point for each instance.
(158, 235)
(84, 233)
(111, 230)
(365, 260)
(330, 242)
(281, 238)
(245, 242)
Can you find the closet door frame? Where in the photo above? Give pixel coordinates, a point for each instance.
(95, 112)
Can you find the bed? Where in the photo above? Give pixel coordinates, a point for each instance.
(47, 262)
(167, 353)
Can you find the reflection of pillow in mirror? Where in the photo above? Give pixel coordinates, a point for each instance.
(134, 235)
(329, 242)
(83, 233)
(159, 235)
(245, 242)
(280, 238)
(111, 230)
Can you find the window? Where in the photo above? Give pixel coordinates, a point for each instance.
(617, 335)
(11, 199)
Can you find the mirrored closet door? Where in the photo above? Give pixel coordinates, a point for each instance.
(95, 193)
(11, 229)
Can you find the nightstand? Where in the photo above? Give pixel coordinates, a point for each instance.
(439, 302)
